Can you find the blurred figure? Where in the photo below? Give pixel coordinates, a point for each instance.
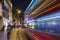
(10, 27)
(6, 22)
(14, 24)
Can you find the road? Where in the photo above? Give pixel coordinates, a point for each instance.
(42, 36)
(29, 34)
(20, 34)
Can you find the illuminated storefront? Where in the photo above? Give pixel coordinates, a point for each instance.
(8, 6)
(7, 12)
(0, 15)
(0, 9)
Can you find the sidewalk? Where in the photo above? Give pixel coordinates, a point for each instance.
(3, 35)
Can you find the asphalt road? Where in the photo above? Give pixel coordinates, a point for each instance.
(42, 36)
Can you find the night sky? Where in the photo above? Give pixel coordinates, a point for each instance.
(22, 4)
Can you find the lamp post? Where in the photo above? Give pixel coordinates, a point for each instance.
(18, 12)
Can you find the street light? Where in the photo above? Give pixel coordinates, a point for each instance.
(18, 11)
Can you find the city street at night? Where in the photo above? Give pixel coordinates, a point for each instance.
(29, 19)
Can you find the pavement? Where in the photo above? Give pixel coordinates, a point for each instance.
(3, 35)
